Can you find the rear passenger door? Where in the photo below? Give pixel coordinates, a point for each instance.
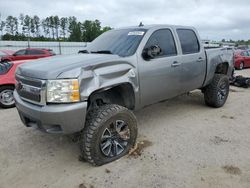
(35, 54)
(193, 60)
(159, 77)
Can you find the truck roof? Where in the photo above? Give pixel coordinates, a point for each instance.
(157, 26)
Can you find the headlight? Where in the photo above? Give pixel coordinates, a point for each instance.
(63, 91)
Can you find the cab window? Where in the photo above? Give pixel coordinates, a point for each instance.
(189, 41)
(165, 40)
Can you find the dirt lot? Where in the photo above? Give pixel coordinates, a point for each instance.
(188, 145)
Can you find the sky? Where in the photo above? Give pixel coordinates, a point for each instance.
(214, 19)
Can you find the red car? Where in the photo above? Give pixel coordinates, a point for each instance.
(242, 59)
(7, 83)
(29, 53)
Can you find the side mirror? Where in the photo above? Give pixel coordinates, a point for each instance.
(14, 54)
(151, 52)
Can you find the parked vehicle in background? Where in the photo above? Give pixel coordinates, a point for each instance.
(94, 93)
(243, 47)
(4, 53)
(29, 53)
(242, 59)
(7, 83)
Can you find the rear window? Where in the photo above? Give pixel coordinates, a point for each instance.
(5, 67)
(189, 41)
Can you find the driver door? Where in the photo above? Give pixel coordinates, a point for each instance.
(160, 75)
(20, 55)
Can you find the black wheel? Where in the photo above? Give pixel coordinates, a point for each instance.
(109, 133)
(217, 91)
(6, 97)
(241, 65)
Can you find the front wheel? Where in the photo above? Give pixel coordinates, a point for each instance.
(6, 97)
(216, 93)
(109, 133)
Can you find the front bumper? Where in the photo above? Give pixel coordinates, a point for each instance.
(53, 118)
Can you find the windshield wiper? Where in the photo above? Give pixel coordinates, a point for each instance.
(101, 52)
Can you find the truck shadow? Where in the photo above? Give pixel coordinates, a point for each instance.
(62, 147)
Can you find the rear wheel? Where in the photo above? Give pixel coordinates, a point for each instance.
(109, 133)
(241, 65)
(216, 93)
(6, 97)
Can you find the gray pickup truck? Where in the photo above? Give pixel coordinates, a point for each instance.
(121, 71)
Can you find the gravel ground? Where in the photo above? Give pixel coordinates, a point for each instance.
(188, 145)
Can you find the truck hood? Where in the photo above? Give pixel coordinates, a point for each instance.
(52, 67)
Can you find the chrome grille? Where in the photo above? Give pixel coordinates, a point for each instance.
(31, 90)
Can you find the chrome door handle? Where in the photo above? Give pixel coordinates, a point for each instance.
(175, 64)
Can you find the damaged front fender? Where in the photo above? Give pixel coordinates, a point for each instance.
(107, 75)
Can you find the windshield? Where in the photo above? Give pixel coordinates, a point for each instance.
(122, 42)
(5, 67)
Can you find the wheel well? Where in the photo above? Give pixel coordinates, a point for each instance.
(6, 59)
(222, 68)
(12, 85)
(122, 95)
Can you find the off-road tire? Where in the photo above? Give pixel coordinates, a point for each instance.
(6, 88)
(96, 123)
(213, 91)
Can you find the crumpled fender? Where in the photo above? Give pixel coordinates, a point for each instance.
(107, 75)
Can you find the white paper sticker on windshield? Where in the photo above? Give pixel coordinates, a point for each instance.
(136, 33)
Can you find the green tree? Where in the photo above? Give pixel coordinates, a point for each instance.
(27, 25)
(56, 26)
(74, 30)
(87, 33)
(104, 29)
(46, 27)
(21, 18)
(36, 21)
(2, 25)
(92, 29)
(64, 26)
(76, 34)
(52, 26)
(11, 26)
(72, 23)
(32, 26)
